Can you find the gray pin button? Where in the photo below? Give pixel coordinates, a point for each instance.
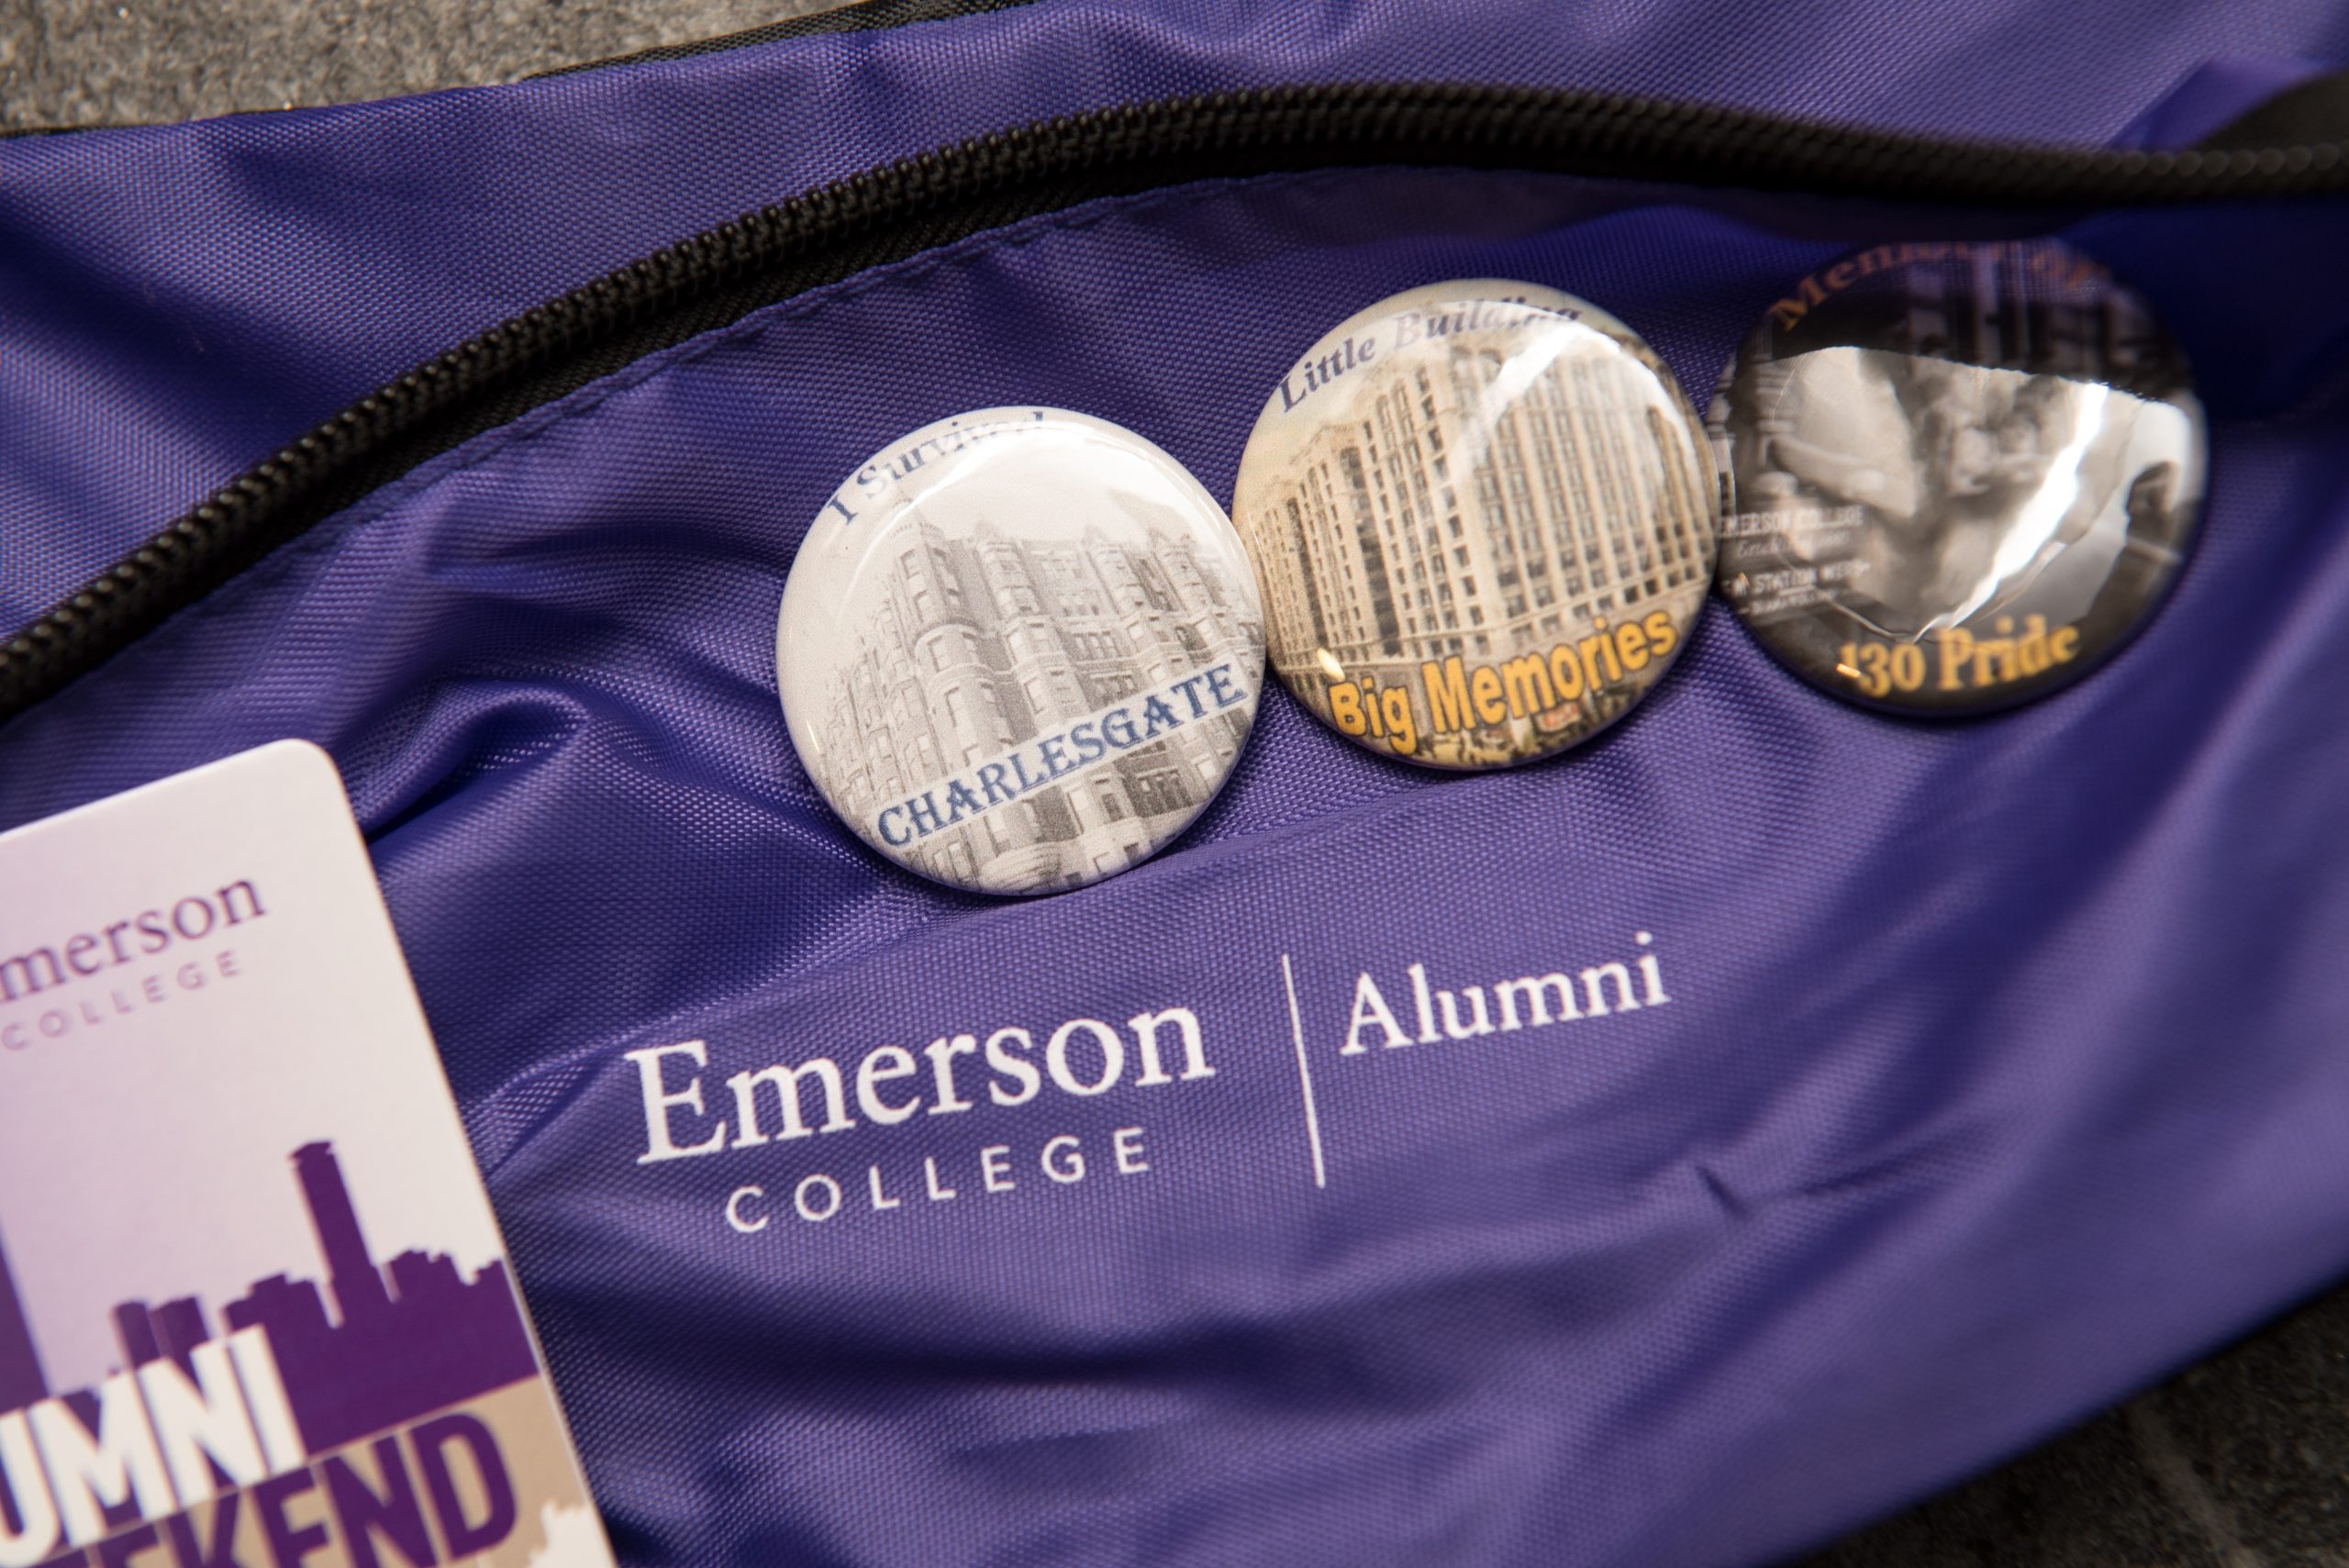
(1020, 650)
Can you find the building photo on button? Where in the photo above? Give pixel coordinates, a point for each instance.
(979, 782)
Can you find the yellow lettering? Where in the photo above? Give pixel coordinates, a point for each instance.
(1877, 668)
(1957, 649)
(1528, 682)
(1401, 732)
(2031, 653)
(1447, 688)
(1564, 674)
(1484, 688)
(1663, 637)
(1345, 709)
(1908, 666)
(1993, 659)
(1631, 642)
(1607, 653)
(1787, 313)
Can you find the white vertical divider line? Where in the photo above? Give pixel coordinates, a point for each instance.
(1304, 1075)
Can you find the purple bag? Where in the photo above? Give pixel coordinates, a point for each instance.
(1964, 1076)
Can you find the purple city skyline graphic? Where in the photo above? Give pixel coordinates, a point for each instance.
(21, 1382)
(405, 1340)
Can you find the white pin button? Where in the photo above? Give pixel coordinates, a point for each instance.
(1020, 650)
(1482, 516)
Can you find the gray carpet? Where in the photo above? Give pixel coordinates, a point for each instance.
(71, 62)
(2241, 1462)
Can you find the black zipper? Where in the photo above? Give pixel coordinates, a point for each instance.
(917, 203)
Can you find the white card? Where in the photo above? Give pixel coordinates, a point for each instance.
(253, 1301)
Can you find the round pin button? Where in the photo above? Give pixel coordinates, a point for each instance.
(1020, 650)
(1483, 515)
(1964, 473)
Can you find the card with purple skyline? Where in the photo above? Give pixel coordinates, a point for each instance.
(253, 1302)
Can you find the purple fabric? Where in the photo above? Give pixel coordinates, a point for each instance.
(2215, 94)
(180, 301)
(2001, 1071)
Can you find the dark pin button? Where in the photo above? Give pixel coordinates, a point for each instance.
(1963, 474)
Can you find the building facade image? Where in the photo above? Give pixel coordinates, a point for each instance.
(1468, 508)
(990, 639)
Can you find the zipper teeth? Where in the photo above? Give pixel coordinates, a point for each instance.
(1255, 131)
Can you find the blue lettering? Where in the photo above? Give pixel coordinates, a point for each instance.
(1048, 747)
(1088, 744)
(925, 815)
(991, 781)
(1191, 695)
(889, 838)
(1157, 716)
(961, 802)
(1220, 682)
(1020, 768)
(1118, 729)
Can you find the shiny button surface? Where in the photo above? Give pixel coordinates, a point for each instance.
(1020, 650)
(1483, 515)
(1964, 475)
